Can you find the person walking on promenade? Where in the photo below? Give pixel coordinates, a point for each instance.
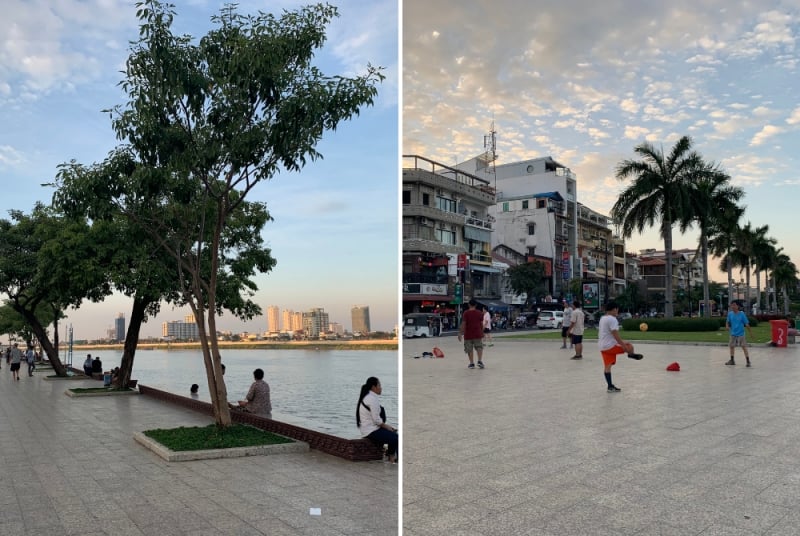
(371, 423)
(257, 400)
(736, 322)
(471, 332)
(565, 326)
(611, 344)
(487, 326)
(575, 331)
(30, 357)
(16, 358)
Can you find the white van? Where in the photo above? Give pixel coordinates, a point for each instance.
(421, 325)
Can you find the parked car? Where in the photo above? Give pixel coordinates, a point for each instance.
(550, 319)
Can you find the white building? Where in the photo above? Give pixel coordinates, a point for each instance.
(273, 318)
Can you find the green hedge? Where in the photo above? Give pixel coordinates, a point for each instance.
(679, 324)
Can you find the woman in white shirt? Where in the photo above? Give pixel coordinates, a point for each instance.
(369, 421)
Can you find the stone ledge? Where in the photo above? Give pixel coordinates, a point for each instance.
(110, 392)
(60, 378)
(212, 454)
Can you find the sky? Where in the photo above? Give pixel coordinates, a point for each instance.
(335, 230)
(586, 82)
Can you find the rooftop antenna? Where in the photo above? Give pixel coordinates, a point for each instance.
(489, 156)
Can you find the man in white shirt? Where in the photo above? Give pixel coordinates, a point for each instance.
(611, 344)
(575, 331)
(565, 325)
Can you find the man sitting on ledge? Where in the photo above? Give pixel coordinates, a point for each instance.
(87, 365)
(97, 366)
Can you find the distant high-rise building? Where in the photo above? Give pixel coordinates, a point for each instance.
(360, 316)
(315, 322)
(297, 321)
(180, 331)
(119, 327)
(286, 320)
(273, 319)
(337, 328)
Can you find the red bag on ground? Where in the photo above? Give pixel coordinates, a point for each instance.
(438, 352)
(674, 367)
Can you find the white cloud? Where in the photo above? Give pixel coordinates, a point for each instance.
(794, 117)
(767, 132)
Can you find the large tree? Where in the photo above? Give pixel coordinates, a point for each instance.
(711, 200)
(47, 264)
(208, 121)
(659, 192)
(527, 278)
(139, 267)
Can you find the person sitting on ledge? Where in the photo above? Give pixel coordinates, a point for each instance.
(257, 400)
(97, 366)
(371, 423)
(87, 365)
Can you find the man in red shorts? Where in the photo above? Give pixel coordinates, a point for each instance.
(611, 344)
(471, 331)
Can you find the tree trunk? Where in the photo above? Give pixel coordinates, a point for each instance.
(132, 339)
(706, 297)
(668, 275)
(44, 340)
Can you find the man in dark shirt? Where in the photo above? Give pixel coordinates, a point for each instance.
(471, 331)
(97, 365)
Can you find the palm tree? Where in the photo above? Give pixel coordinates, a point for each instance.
(712, 199)
(659, 192)
(721, 241)
(784, 275)
(763, 255)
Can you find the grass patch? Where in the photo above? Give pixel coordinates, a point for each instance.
(87, 390)
(214, 437)
(762, 334)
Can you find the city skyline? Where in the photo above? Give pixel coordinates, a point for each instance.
(60, 67)
(565, 81)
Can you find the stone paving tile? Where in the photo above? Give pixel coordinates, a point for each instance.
(70, 466)
(709, 450)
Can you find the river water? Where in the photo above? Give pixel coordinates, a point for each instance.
(316, 389)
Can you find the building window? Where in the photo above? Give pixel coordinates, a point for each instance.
(446, 237)
(448, 205)
(406, 197)
(541, 203)
(531, 229)
(505, 207)
(525, 204)
(426, 199)
(531, 250)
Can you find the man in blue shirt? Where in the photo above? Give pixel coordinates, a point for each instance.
(736, 322)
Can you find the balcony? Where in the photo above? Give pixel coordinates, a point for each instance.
(423, 170)
(477, 222)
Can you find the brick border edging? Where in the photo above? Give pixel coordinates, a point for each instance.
(356, 450)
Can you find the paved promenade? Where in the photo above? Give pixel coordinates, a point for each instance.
(534, 445)
(71, 466)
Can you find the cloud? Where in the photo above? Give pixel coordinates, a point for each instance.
(794, 117)
(767, 132)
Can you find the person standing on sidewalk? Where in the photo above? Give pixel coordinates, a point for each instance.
(565, 324)
(611, 344)
(575, 331)
(487, 326)
(736, 322)
(16, 358)
(30, 357)
(471, 332)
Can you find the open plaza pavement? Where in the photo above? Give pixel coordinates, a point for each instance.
(534, 445)
(70, 466)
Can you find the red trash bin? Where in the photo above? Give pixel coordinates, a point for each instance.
(780, 332)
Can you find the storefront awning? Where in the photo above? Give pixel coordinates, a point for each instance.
(494, 306)
(485, 269)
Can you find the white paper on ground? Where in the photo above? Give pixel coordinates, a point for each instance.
(315, 511)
